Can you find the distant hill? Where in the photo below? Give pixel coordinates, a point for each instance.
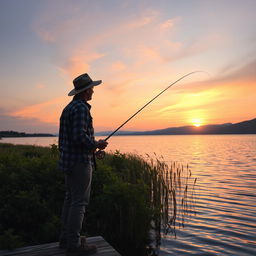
(246, 127)
(23, 134)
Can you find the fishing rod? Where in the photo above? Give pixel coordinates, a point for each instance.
(100, 153)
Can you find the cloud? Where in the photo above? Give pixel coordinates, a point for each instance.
(77, 44)
(65, 30)
(181, 50)
(148, 17)
(146, 54)
(167, 24)
(46, 112)
(40, 86)
(78, 64)
(193, 101)
(54, 22)
(236, 71)
(19, 124)
(231, 79)
(117, 66)
(117, 89)
(138, 46)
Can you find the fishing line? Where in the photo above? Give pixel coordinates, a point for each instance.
(100, 153)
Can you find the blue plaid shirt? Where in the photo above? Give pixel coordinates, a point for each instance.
(76, 135)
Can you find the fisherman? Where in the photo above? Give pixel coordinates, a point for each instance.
(77, 146)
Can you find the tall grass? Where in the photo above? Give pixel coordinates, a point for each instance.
(169, 192)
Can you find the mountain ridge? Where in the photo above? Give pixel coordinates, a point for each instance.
(244, 127)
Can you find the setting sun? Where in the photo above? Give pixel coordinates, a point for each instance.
(197, 122)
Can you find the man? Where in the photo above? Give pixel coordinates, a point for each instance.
(77, 146)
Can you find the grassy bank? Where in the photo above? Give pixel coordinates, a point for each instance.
(132, 200)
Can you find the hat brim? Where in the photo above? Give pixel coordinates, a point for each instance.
(93, 83)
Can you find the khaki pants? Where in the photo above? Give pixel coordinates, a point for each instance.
(78, 187)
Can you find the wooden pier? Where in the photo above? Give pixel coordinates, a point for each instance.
(52, 249)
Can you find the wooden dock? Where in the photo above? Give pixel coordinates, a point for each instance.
(52, 249)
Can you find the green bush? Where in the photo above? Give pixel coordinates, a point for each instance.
(8, 240)
(31, 193)
(129, 198)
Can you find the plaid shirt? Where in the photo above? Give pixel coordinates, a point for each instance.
(76, 134)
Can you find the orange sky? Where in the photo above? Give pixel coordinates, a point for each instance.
(137, 49)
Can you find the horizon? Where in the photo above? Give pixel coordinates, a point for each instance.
(137, 49)
(123, 130)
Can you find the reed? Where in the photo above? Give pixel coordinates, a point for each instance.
(168, 195)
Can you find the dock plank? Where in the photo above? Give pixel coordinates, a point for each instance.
(52, 249)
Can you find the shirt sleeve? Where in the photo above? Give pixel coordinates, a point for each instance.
(80, 125)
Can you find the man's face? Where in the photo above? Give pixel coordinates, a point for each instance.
(88, 94)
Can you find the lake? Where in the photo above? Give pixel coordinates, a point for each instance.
(225, 167)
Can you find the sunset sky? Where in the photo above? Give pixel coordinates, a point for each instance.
(137, 48)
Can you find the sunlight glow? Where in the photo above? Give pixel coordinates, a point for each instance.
(197, 122)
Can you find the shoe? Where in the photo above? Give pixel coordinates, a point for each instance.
(63, 242)
(82, 251)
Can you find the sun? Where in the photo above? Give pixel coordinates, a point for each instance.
(197, 122)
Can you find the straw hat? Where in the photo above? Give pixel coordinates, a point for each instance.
(82, 83)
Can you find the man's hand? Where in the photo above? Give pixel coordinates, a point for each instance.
(101, 144)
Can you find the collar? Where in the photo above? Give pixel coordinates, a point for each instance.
(83, 101)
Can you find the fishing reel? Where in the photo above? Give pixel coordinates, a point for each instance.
(100, 154)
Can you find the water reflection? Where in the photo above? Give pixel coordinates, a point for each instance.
(226, 211)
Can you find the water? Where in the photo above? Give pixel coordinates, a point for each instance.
(225, 167)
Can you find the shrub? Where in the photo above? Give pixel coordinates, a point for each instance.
(130, 198)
